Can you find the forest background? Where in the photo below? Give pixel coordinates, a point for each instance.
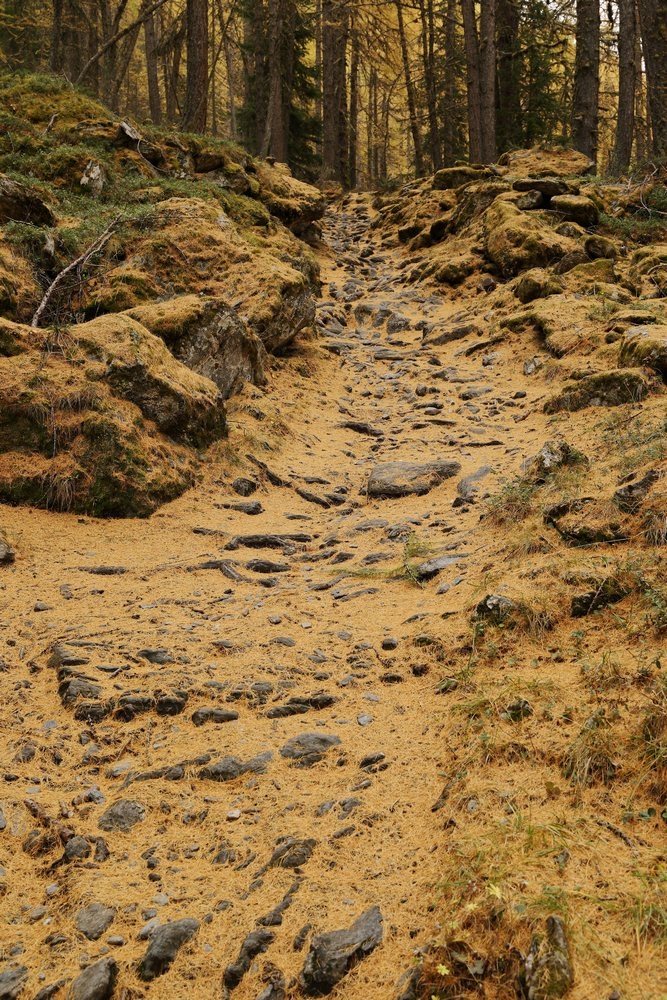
(364, 92)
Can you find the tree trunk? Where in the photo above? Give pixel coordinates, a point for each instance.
(508, 102)
(354, 109)
(410, 93)
(487, 79)
(587, 78)
(450, 131)
(653, 18)
(427, 18)
(473, 80)
(627, 72)
(334, 90)
(152, 77)
(196, 83)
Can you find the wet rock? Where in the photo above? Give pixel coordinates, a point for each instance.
(612, 388)
(400, 479)
(96, 982)
(164, 946)
(308, 748)
(122, 816)
(548, 970)
(256, 942)
(332, 954)
(94, 920)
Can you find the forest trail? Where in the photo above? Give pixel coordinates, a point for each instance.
(220, 650)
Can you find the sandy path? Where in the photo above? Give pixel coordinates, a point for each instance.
(312, 626)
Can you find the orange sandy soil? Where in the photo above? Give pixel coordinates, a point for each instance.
(487, 867)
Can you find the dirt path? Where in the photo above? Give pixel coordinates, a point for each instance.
(160, 621)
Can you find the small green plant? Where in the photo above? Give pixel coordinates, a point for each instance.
(514, 502)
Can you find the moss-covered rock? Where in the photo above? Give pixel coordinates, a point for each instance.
(647, 346)
(537, 284)
(539, 161)
(208, 336)
(576, 208)
(612, 388)
(193, 246)
(516, 242)
(296, 204)
(454, 177)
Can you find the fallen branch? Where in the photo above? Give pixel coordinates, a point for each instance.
(94, 248)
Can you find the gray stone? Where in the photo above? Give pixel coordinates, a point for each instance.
(12, 982)
(308, 748)
(94, 920)
(331, 955)
(96, 982)
(122, 816)
(164, 946)
(401, 479)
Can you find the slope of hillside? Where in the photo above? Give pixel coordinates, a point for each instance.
(378, 708)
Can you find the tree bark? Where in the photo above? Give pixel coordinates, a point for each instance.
(508, 101)
(487, 79)
(627, 73)
(653, 19)
(335, 21)
(354, 109)
(410, 92)
(196, 83)
(587, 78)
(473, 80)
(152, 76)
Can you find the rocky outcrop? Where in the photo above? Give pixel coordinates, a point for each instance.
(195, 247)
(19, 203)
(97, 423)
(647, 346)
(516, 241)
(208, 336)
(612, 388)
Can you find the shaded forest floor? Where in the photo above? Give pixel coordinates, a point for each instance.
(490, 767)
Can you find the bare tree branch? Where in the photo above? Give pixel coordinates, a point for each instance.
(143, 16)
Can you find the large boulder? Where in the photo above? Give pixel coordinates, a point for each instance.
(138, 367)
(19, 203)
(81, 419)
(612, 388)
(515, 241)
(546, 162)
(194, 247)
(645, 346)
(208, 336)
(296, 204)
(454, 177)
(576, 208)
(402, 479)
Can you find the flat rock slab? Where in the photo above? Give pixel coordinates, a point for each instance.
(94, 920)
(402, 479)
(12, 982)
(332, 955)
(308, 748)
